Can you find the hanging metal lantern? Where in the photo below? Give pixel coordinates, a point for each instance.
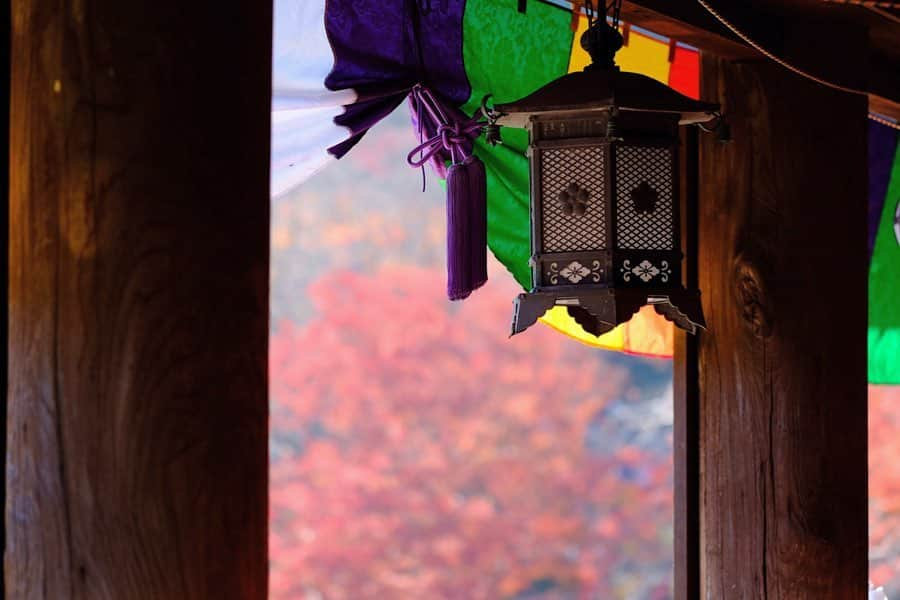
(605, 223)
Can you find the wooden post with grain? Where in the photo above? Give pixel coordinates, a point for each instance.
(782, 371)
(138, 300)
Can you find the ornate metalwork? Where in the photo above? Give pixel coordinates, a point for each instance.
(574, 200)
(599, 310)
(605, 226)
(644, 198)
(646, 271)
(584, 230)
(491, 129)
(575, 272)
(651, 166)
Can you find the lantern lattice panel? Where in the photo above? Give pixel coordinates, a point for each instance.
(560, 168)
(636, 230)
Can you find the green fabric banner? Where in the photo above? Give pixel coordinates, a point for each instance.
(884, 290)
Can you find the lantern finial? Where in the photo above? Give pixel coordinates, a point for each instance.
(602, 41)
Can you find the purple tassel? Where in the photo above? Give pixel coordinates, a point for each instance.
(478, 221)
(465, 193)
(466, 189)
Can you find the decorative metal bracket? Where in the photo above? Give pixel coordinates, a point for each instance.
(720, 127)
(491, 129)
(599, 311)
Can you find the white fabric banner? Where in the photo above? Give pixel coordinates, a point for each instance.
(303, 110)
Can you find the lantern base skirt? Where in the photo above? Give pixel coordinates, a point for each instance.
(600, 310)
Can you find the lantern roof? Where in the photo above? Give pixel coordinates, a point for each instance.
(601, 89)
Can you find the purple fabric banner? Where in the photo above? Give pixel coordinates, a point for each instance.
(882, 146)
(382, 49)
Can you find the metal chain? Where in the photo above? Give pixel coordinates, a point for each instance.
(617, 9)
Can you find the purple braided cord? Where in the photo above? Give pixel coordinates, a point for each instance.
(451, 136)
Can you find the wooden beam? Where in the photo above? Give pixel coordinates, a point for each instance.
(770, 23)
(783, 269)
(686, 22)
(138, 300)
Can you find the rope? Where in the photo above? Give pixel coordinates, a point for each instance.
(883, 13)
(450, 136)
(886, 122)
(753, 44)
(867, 3)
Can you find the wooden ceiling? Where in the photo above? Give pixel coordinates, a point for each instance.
(783, 27)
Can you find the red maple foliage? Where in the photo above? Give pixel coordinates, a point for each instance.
(884, 488)
(419, 453)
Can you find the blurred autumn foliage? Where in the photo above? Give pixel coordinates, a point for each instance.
(884, 488)
(417, 451)
(419, 454)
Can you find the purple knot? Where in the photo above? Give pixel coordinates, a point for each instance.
(451, 135)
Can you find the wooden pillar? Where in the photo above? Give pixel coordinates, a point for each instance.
(782, 376)
(138, 300)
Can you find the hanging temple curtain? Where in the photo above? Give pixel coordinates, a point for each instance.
(340, 66)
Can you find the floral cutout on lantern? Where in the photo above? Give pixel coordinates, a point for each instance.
(646, 270)
(574, 200)
(644, 198)
(575, 272)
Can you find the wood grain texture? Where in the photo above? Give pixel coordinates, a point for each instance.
(783, 269)
(138, 300)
